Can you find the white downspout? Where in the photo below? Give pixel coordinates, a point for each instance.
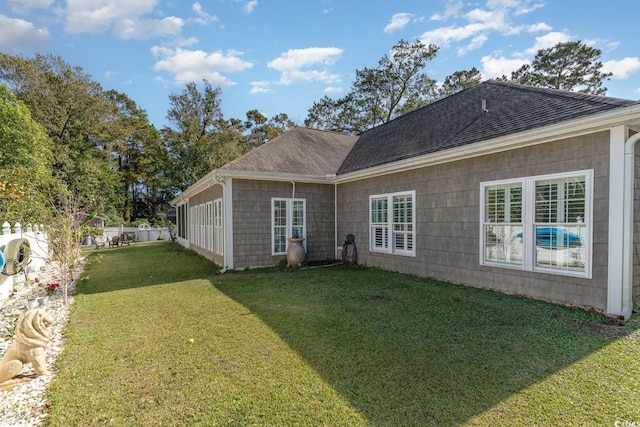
(227, 218)
(224, 219)
(335, 219)
(627, 226)
(227, 206)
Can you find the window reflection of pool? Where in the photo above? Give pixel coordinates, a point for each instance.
(555, 238)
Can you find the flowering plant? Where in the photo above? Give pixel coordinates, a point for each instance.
(51, 288)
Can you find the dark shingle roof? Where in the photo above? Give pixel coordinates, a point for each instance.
(300, 151)
(459, 120)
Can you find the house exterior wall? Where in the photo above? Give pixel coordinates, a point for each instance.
(448, 219)
(636, 229)
(207, 195)
(252, 220)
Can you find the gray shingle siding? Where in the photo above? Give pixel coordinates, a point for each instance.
(252, 220)
(447, 219)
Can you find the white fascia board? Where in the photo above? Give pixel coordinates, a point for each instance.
(216, 175)
(272, 176)
(203, 183)
(590, 124)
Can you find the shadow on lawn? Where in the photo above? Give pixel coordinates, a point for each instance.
(408, 351)
(403, 350)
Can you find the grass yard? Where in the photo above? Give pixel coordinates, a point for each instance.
(158, 338)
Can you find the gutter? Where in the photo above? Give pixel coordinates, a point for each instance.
(275, 176)
(627, 226)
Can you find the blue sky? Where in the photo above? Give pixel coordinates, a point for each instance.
(281, 56)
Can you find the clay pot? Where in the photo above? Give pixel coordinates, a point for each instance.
(295, 252)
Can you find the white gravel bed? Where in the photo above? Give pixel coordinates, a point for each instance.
(24, 404)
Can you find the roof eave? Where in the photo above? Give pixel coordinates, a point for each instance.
(594, 123)
(217, 175)
(277, 176)
(202, 184)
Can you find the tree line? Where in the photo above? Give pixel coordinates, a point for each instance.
(61, 133)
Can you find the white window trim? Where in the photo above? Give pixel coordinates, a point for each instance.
(390, 249)
(288, 221)
(528, 223)
(209, 226)
(218, 228)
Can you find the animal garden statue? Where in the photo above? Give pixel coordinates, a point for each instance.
(29, 345)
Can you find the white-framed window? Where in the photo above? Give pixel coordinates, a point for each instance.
(218, 230)
(392, 223)
(538, 223)
(288, 219)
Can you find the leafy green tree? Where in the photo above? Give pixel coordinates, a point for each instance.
(258, 129)
(74, 112)
(570, 66)
(459, 81)
(200, 139)
(25, 161)
(139, 156)
(396, 86)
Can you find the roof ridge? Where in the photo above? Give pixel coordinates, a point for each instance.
(603, 99)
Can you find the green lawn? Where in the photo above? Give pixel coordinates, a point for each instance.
(328, 346)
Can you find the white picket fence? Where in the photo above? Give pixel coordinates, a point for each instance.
(39, 244)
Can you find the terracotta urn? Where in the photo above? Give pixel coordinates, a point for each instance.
(295, 252)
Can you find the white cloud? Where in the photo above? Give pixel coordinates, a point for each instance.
(452, 9)
(195, 65)
(24, 6)
(295, 59)
(147, 28)
(333, 89)
(493, 67)
(479, 23)
(398, 22)
(548, 40)
(498, 4)
(539, 27)
(623, 68)
(476, 43)
(124, 17)
(250, 6)
(98, 16)
(18, 35)
(524, 9)
(445, 35)
(203, 17)
(324, 76)
(294, 65)
(261, 87)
